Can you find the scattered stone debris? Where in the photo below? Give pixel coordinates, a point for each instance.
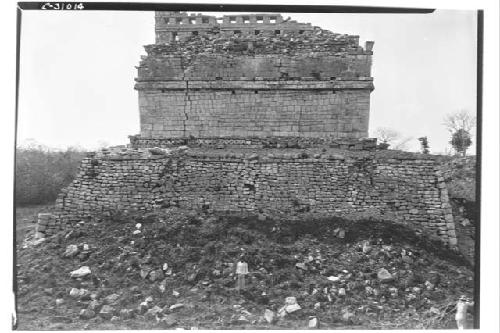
(313, 322)
(384, 275)
(106, 311)
(71, 250)
(153, 312)
(78, 293)
(176, 306)
(80, 272)
(341, 282)
(87, 314)
(290, 307)
(269, 316)
(111, 299)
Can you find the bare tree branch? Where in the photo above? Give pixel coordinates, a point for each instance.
(459, 120)
(392, 137)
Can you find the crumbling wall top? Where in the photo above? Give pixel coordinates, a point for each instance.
(171, 27)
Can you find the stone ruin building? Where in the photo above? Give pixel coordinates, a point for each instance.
(256, 114)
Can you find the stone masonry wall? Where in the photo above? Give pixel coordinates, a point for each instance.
(171, 26)
(406, 188)
(258, 113)
(252, 75)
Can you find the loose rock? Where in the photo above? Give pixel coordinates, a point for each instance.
(81, 272)
(71, 250)
(86, 314)
(384, 276)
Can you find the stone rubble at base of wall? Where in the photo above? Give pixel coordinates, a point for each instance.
(47, 224)
(406, 188)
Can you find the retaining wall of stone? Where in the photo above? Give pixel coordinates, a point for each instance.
(407, 188)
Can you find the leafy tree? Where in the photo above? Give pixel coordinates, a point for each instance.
(461, 141)
(460, 125)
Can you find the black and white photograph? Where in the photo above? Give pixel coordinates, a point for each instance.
(208, 166)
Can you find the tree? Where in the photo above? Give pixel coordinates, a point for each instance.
(460, 125)
(424, 145)
(461, 141)
(392, 138)
(41, 173)
(460, 120)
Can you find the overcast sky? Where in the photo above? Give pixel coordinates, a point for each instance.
(78, 68)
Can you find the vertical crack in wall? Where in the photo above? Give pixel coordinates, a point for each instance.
(299, 122)
(187, 105)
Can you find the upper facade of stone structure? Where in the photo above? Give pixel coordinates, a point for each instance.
(172, 26)
(252, 75)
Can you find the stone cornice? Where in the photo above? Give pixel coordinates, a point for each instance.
(362, 83)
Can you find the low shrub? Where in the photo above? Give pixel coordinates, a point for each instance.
(41, 173)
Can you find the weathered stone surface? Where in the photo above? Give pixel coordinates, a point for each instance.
(111, 299)
(283, 87)
(71, 250)
(176, 306)
(87, 314)
(384, 275)
(106, 312)
(375, 184)
(201, 80)
(269, 316)
(81, 272)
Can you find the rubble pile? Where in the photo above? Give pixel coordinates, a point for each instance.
(290, 43)
(178, 269)
(460, 176)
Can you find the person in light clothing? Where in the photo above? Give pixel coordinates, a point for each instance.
(461, 315)
(241, 271)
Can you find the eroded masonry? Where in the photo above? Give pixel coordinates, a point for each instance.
(261, 115)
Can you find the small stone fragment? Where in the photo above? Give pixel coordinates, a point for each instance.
(156, 275)
(111, 299)
(81, 272)
(384, 275)
(143, 307)
(153, 312)
(87, 314)
(176, 306)
(313, 322)
(106, 312)
(269, 316)
(94, 305)
(126, 313)
(71, 250)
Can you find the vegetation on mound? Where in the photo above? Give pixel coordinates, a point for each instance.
(330, 266)
(41, 173)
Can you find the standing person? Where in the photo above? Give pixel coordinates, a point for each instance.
(461, 315)
(241, 271)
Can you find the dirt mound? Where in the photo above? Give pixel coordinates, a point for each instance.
(177, 269)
